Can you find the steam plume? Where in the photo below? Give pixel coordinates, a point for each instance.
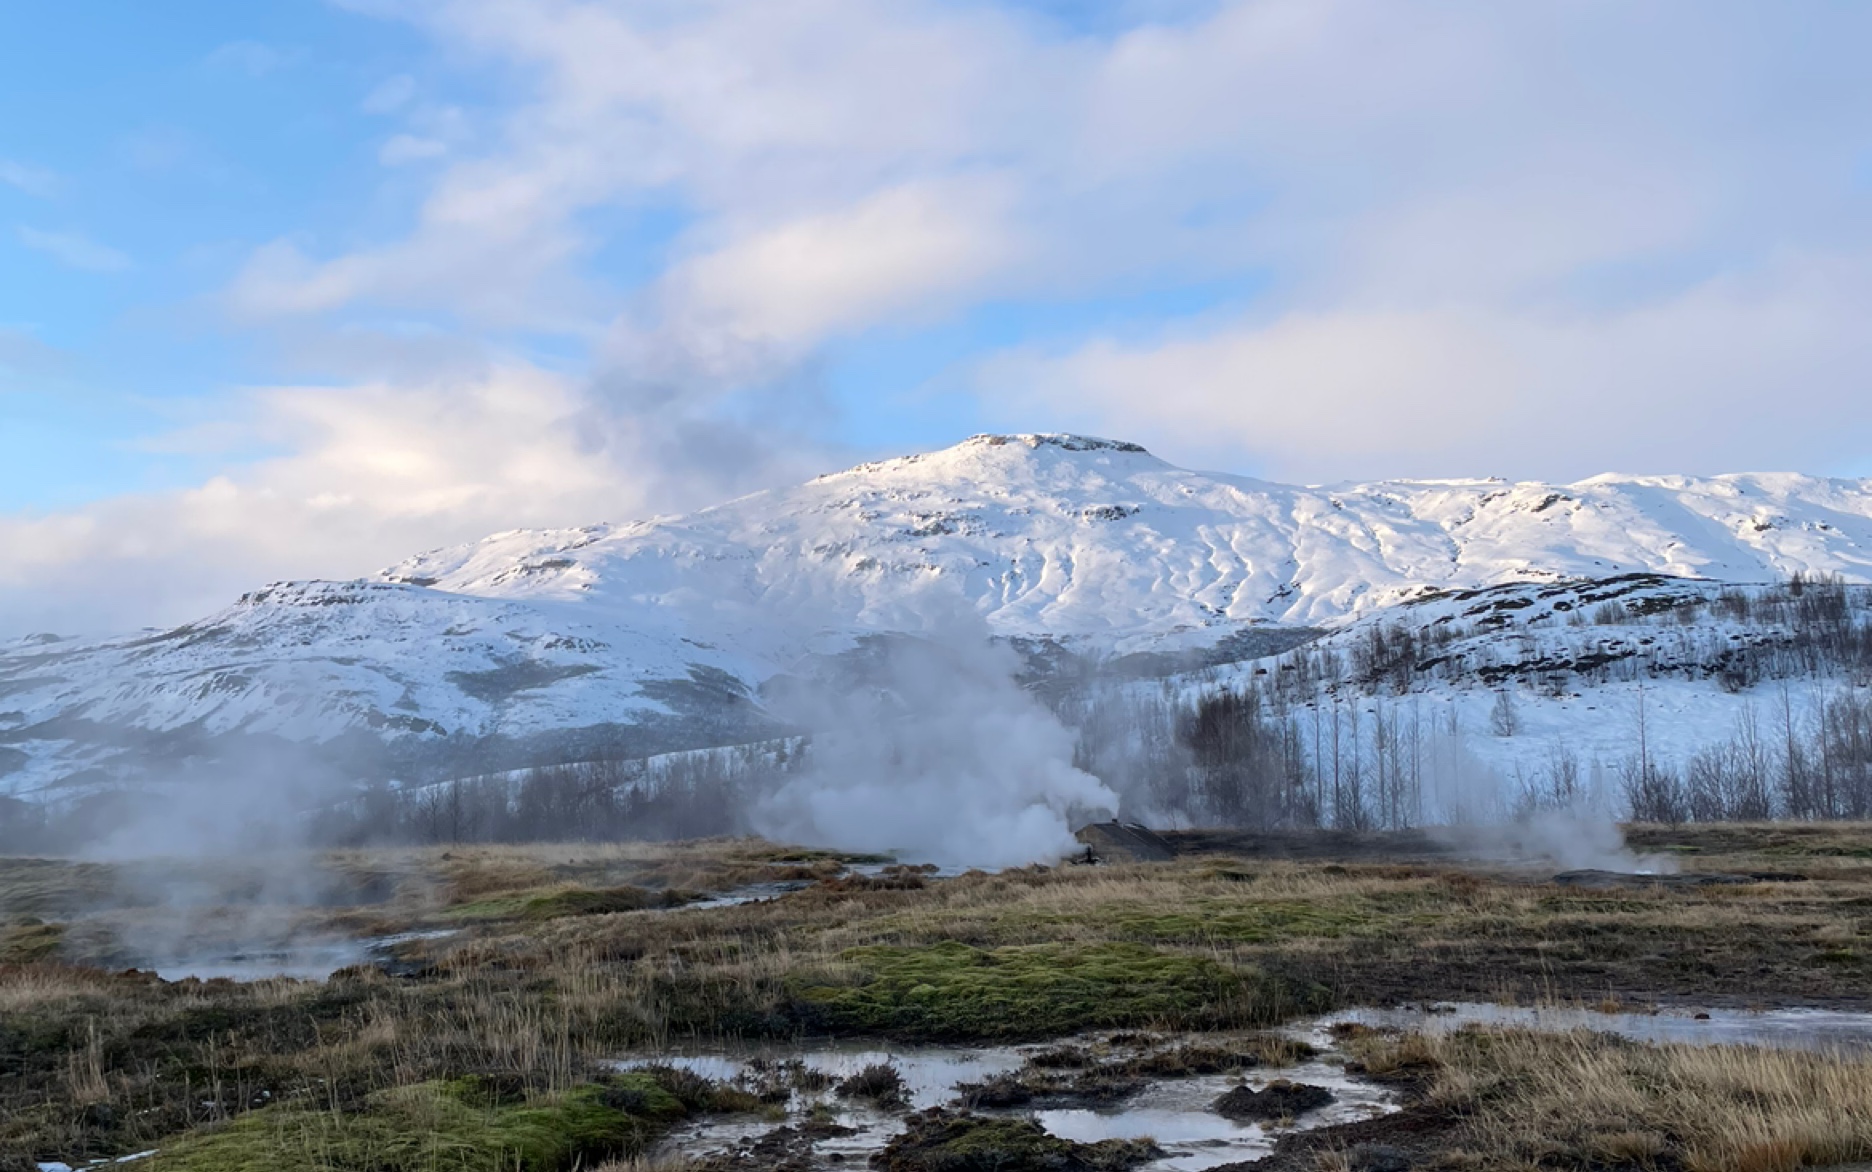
(940, 756)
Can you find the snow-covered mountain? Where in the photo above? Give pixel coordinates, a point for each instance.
(659, 635)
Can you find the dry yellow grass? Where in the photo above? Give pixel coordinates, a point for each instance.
(1527, 1100)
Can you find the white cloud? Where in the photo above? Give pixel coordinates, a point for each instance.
(74, 250)
(368, 475)
(759, 116)
(1359, 152)
(400, 149)
(803, 280)
(34, 181)
(1730, 374)
(1469, 237)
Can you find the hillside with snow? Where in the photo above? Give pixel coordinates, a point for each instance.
(667, 634)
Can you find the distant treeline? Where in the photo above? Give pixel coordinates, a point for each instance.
(597, 801)
(1324, 738)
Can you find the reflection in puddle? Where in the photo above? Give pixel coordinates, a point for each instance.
(930, 1073)
(1800, 1029)
(1175, 1113)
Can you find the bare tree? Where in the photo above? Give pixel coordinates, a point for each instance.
(1504, 721)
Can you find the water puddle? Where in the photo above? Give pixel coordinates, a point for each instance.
(1802, 1029)
(930, 1073)
(306, 960)
(1174, 1111)
(930, 1076)
(829, 1131)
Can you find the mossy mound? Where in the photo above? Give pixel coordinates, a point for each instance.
(1279, 1100)
(455, 1126)
(28, 940)
(957, 992)
(602, 902)
(940, 1141)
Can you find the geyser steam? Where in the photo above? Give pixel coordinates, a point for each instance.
(938, 755)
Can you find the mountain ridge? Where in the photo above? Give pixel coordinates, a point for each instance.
(658, 634)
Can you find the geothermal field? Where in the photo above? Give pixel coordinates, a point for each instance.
(1300, 1000)
(935, 586)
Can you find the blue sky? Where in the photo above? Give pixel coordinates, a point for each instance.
(155, 157)
(172, 139)
(294, 288)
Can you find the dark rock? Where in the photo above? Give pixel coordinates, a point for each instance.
(944, 1141)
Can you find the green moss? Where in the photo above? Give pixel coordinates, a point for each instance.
(53, 887)
(456, 1126)
(1248, 923)
(1207, 921)
(951, 990)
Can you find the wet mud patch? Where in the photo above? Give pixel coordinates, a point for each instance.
(942, 1141)
(1128, 1100)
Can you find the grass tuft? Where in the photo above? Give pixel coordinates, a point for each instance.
(451, 1126)
(954, 991)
